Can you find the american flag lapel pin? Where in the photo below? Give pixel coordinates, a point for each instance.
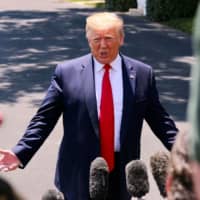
(132, 73)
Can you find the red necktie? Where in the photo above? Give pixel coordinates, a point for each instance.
(107, 120)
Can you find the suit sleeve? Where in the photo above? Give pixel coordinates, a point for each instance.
(158, 119)
(42, 123)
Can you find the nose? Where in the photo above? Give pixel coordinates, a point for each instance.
(103, 42)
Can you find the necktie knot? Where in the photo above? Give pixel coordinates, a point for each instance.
(107, 67)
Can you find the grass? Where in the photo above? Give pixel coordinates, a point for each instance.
(183, 24)
(93, 3)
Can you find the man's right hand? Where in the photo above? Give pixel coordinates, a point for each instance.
(8, 161)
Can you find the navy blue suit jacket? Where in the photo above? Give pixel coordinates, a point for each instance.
(72, 94)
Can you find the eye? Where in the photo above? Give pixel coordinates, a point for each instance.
(109, 39)
(96, 40)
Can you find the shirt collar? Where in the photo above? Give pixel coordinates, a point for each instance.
(114, 64)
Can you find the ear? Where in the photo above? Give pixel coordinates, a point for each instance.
(121, 40)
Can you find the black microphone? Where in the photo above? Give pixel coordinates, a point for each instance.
(137, 182)
(98, 181)
(52, 194)
(159, 163)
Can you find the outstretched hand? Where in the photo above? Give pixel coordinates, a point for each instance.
(8, 160)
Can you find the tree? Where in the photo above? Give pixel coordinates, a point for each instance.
(120, 5)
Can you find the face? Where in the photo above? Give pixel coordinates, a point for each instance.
(104, 44)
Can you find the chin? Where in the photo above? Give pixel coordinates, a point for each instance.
(104, 61)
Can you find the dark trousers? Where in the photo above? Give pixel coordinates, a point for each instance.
(114, 181)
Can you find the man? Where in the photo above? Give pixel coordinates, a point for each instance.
(194, 107)
(100, 94)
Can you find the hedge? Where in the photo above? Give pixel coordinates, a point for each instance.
(120, 5)
(164, 10)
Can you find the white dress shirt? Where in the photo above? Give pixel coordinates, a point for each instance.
(115, 74)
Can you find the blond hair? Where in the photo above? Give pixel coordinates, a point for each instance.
(104, 20)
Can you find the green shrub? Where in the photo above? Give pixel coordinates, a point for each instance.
(120, 5)
(163, 10)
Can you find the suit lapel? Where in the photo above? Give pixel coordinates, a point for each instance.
(129, 83)
(129, 72)
(89, 91)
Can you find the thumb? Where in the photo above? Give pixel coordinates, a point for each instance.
(7, 155)
(4, 151)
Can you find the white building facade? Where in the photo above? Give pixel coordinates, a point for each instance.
(142, 6)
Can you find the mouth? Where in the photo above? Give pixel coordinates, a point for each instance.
(103, 54)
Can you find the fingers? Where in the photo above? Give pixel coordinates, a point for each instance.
(6, 168)
(8, 161)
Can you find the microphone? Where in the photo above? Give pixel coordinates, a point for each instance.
(98, 180)
(137, 182)
(52, 194)
(159, 163)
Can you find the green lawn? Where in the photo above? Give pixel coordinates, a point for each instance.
(183, 24)
(94, 3)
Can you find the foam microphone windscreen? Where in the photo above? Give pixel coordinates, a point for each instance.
(53, 194)
(137, 182)
(159, 163)
(98, 180)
